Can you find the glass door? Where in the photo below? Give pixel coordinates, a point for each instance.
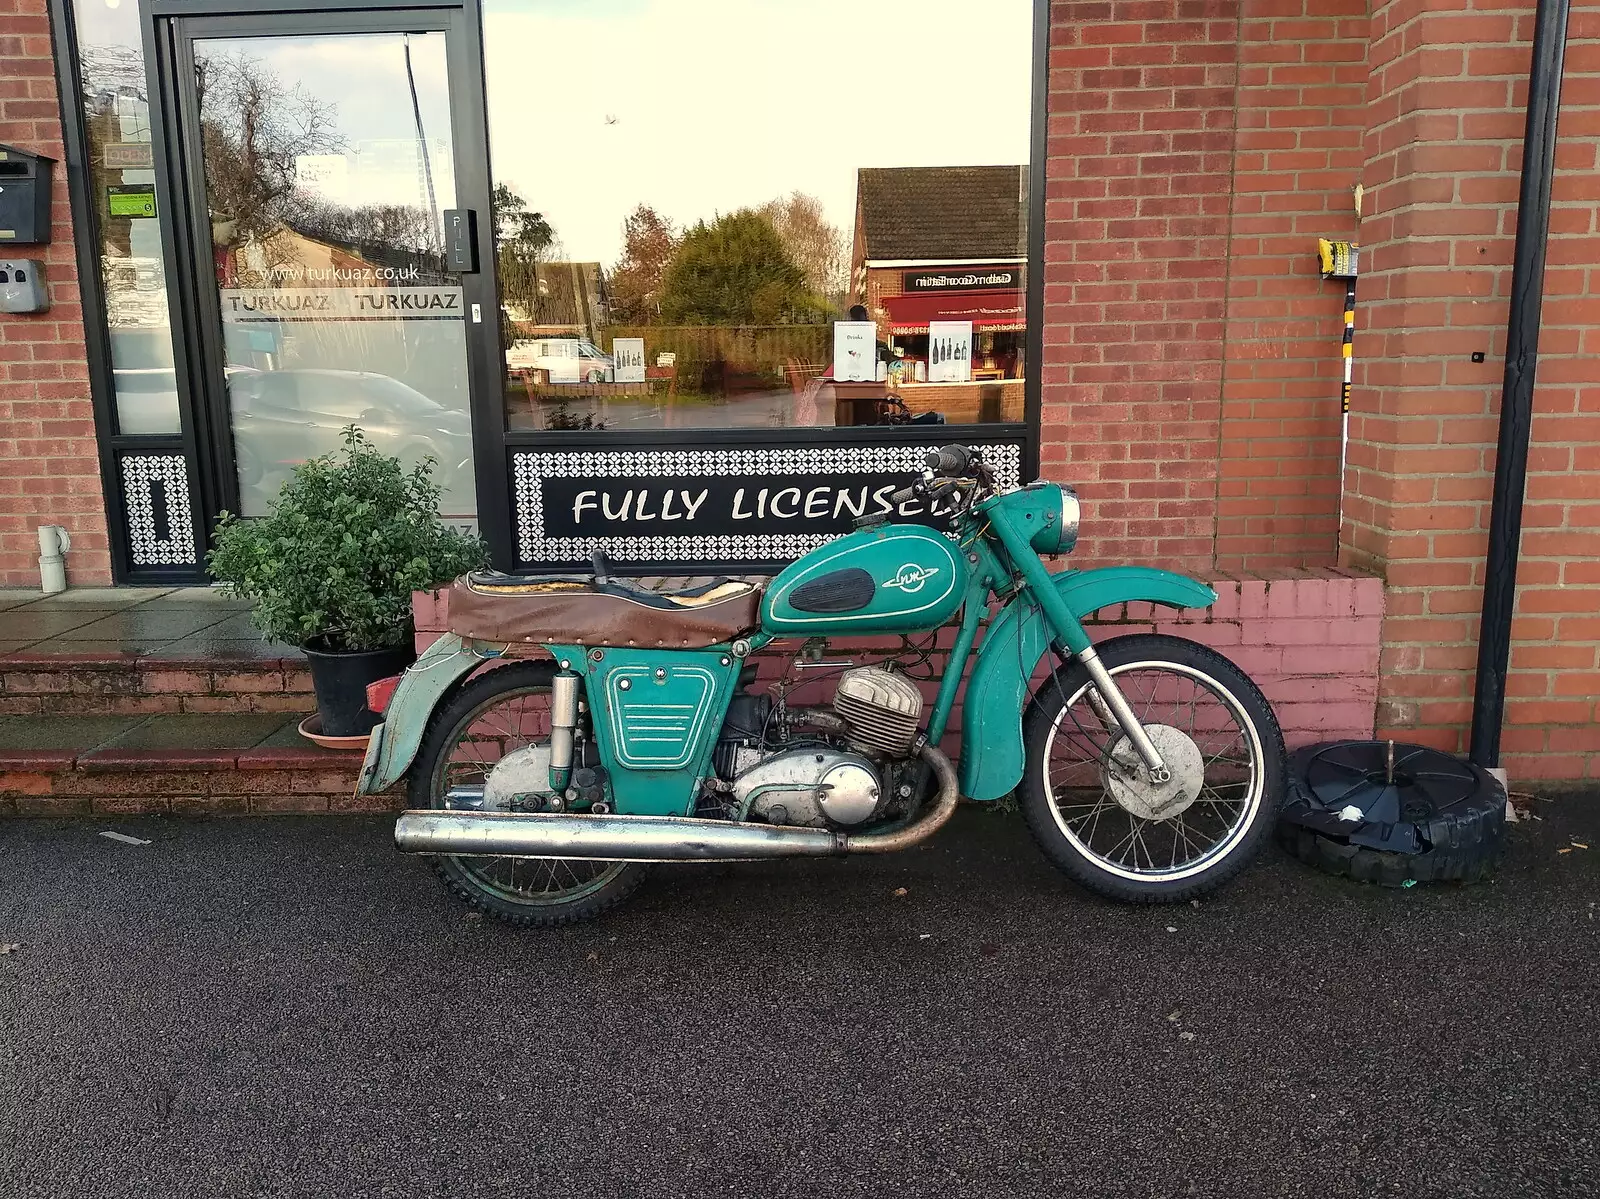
(335, 190)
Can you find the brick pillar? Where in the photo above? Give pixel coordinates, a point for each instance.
(1302, 113)
(51, 474)
(1446, 95)
(1141, 152)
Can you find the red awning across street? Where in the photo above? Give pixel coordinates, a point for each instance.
(993, 311)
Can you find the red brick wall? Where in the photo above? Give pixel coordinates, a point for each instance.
(1198, 148)
(51, 474)
(1446, 95)
(1141, 136)
(1301, 114)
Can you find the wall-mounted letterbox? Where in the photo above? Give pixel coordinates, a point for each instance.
(24, 197)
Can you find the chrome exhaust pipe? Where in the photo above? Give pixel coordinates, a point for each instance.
(657, 838)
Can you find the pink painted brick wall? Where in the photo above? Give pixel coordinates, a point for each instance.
(1309, 638)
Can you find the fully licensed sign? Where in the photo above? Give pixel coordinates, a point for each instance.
(689, 508)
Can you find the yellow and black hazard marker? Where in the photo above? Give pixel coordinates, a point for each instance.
(1339, 262)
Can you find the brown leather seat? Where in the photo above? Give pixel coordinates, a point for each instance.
(577, 610)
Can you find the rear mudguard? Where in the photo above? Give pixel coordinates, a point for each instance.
(426, 682)
(992, 754)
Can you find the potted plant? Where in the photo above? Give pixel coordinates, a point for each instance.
(332, 566)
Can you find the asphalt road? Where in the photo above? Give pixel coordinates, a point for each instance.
(285, 1007)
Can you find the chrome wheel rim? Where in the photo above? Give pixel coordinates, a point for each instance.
(503, 723)
(1078, 758)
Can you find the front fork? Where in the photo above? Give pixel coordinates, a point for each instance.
(1105, 697)
(1115, 712)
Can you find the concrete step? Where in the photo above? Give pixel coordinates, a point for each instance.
(179, 763)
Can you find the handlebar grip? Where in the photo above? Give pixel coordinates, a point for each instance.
(954, 460)
(905, 494)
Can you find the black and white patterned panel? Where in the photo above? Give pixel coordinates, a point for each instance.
(701, 497)
(155, 495)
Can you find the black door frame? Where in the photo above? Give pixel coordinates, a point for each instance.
(169, 29)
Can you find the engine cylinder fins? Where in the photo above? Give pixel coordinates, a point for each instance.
(881, 709)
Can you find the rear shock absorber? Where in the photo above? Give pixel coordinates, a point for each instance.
(564, 692)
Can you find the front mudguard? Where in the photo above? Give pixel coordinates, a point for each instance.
(395, 742)
(992, 754)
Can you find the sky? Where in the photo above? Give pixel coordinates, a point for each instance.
(692, 106)
(723, 104)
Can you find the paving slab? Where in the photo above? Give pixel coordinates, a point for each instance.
(143, 624)
(287, 735)
(204, 646)
(63, 732)
(54, 648)
(99, 597)
(32, 623)
(198, 731)
(214, 597)
(236, 627)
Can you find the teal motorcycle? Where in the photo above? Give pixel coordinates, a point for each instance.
(574, 728)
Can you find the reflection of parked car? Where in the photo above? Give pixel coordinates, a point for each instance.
(281, 418)
(147, 397)
(563, 359)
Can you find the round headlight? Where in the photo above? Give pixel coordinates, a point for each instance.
(1071, 513)
(1055, 508)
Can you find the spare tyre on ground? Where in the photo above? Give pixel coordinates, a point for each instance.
(1394, 814)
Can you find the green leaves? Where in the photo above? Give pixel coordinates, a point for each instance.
(348, 540)
(735, 271)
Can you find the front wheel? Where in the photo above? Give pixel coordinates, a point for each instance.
(1092, 807)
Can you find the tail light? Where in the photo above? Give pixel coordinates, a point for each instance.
(380, 693)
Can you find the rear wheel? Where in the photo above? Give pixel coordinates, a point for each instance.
(495, 715)
(1090, 804)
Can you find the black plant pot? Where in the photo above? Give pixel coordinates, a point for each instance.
(340, 679)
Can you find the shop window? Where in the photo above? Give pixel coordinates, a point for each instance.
(740, 213)
(125, 233)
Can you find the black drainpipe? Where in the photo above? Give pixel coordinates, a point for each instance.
(1522, 361)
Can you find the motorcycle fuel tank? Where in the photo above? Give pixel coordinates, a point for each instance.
(892, 579)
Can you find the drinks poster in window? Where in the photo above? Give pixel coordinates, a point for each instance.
(628, 357)
(949, 351)
(855, 351)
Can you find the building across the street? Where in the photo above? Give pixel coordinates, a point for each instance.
(611, 247)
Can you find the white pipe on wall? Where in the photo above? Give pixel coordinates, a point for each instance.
(53, 543)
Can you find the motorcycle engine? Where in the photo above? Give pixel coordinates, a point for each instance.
(822, 786)
(816, 788)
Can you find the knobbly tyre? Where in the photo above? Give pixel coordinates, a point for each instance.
(573, 728)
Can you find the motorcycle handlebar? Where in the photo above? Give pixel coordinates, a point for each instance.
(954, 461)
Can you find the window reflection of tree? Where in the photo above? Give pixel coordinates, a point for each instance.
(256, 129)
